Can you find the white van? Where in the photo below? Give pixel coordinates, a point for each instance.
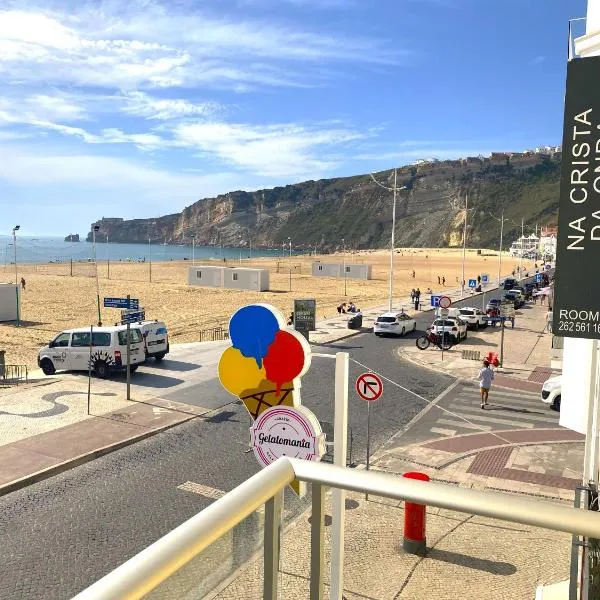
(156, 338)
(70, 350)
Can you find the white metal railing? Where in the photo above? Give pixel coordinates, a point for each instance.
(145, 571)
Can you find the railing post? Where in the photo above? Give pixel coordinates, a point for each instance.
(316, 541)
(272, 546)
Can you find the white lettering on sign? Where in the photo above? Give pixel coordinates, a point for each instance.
(585, 170)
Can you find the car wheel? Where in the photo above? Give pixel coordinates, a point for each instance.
(378, 334)
(47, 367)
(476, 324)
(415, 326)
(101, 369)
(133, 368)
(158, 357)
(455, 339)
(556, 403)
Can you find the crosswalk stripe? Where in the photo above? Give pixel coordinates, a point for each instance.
(517, 393)
(441, 431)
(536, 403)
(512, 423)
(463, 424)
(202, 490)
(525, 416)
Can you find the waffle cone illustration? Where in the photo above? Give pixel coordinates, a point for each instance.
(264, 365)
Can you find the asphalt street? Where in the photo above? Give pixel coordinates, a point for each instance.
(62, 534)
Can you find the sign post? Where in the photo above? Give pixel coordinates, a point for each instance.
(485, 279)
(305, 316)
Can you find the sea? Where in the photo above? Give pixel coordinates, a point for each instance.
(56, 250)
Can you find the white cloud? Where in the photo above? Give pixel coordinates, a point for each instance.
(272, 151)
(164, 109)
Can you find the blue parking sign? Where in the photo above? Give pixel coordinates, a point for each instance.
(538, 278)
(485, 279)
(472, 283)
(435, 300)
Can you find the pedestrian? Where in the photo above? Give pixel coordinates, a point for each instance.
(439, 280)
(414, 274)
(549, 316)
(485, 377)
(23, 282)
(291, 319)
(412, 295)
(342, 308)
(352, 308)
(443, 281)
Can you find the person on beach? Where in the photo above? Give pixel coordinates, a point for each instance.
(443, 281)
(549, 316)
(485, 377)
(23, 282)
(439, 280)
(352, 308)
(342, 308)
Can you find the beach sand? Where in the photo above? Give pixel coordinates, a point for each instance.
(54, 300)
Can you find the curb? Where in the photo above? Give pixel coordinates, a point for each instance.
(70, 463)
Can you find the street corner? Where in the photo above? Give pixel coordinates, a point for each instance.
(452, 363)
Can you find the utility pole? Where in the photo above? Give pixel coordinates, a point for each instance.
(500, 253)
(462, 283)
(344, 264)
(193, 236)
(95, 230)
(107, 259)
(149, 261)
(395, 190)
(522, 250)
(14, 232)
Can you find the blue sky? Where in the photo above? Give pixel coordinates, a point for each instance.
(139, 108)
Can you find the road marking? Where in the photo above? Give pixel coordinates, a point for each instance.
(531, 398)
(496, 408)
(458, 423)
(536, 404)
(202, 490)
(475, 417)
(441, 431)
(159, 411)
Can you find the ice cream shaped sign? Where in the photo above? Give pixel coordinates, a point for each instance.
(263, 368)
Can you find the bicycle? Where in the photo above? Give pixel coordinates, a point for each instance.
(443, 342)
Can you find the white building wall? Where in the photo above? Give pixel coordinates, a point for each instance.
(205, 276)
(353, 271)
(246, 279)
(8, 301)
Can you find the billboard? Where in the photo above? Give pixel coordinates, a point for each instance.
(576, 310)
(305, 314)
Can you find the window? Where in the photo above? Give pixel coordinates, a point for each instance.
(134, 336)
(320, 267)
(235, 276)
(101, 338)
(386, 319)
(62, 341)
(80, 339)
(199, 274)
(347, 269)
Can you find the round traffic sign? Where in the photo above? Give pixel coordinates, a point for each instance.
(444, 312)
(369, 387)
(445, 302)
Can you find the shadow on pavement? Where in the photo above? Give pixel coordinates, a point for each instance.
(171, 365)
(150, 380)
(472, 562)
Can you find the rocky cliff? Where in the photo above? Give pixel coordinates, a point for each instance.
(320, 213)
(72, 237)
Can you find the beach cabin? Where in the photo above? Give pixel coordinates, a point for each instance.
(9, 305)
(239, 278)
(352, 271)
(206, 276)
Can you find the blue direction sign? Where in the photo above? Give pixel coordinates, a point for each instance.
(435, 300)
(485, 279)
(133, 317)
(538, 278)
(121, 303)
(472, 283)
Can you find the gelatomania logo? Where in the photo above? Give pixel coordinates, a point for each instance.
(276, 439)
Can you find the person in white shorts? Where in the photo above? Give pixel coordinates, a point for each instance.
(485, 377)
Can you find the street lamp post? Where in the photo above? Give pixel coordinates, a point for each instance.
(193, 249)
(107, 259)
(395, 190)
(344, 264)
(14, 232)
(94, 232)
(462, 283)
(149, 261)
(501, 221)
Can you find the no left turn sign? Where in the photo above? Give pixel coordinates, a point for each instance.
(369, 387)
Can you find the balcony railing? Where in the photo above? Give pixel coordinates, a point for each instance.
(147, 570)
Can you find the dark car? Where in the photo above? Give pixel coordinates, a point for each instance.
(509, 283)
(514, 297)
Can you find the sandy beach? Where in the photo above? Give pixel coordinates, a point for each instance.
(55, 300)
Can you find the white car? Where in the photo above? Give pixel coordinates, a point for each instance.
(457, 328)
(70, 350)
(551, 391)
(473, 317)
(156, 339)
(394, 323)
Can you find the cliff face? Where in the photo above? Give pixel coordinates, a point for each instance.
(321, 213)
(72, 237)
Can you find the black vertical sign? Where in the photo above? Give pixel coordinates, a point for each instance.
(576, 309)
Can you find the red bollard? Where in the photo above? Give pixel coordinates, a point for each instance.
(414, 541)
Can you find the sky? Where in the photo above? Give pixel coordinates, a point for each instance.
(139, 108)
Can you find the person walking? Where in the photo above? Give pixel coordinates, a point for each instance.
(549, 316)
(443, 281)
(439, 280)
(485, 377)
(23, 282)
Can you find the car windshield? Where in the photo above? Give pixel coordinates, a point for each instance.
(464, 311)
(134, 335)
(386, 319)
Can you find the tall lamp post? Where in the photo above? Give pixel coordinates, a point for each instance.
(462, 281)
(94, 232)
(344, 264)
(14, 232)
(395, 190)
(501, 221)
(193, 236)
(107, 258)
(149, 261)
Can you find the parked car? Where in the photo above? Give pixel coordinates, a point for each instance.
(493, 304)
(156, 339)
(394, 323)
(457, 328)
(473, 317)
(510, 283)
(70, 350)
(525, 292)
(551, 391)
(515, 297)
